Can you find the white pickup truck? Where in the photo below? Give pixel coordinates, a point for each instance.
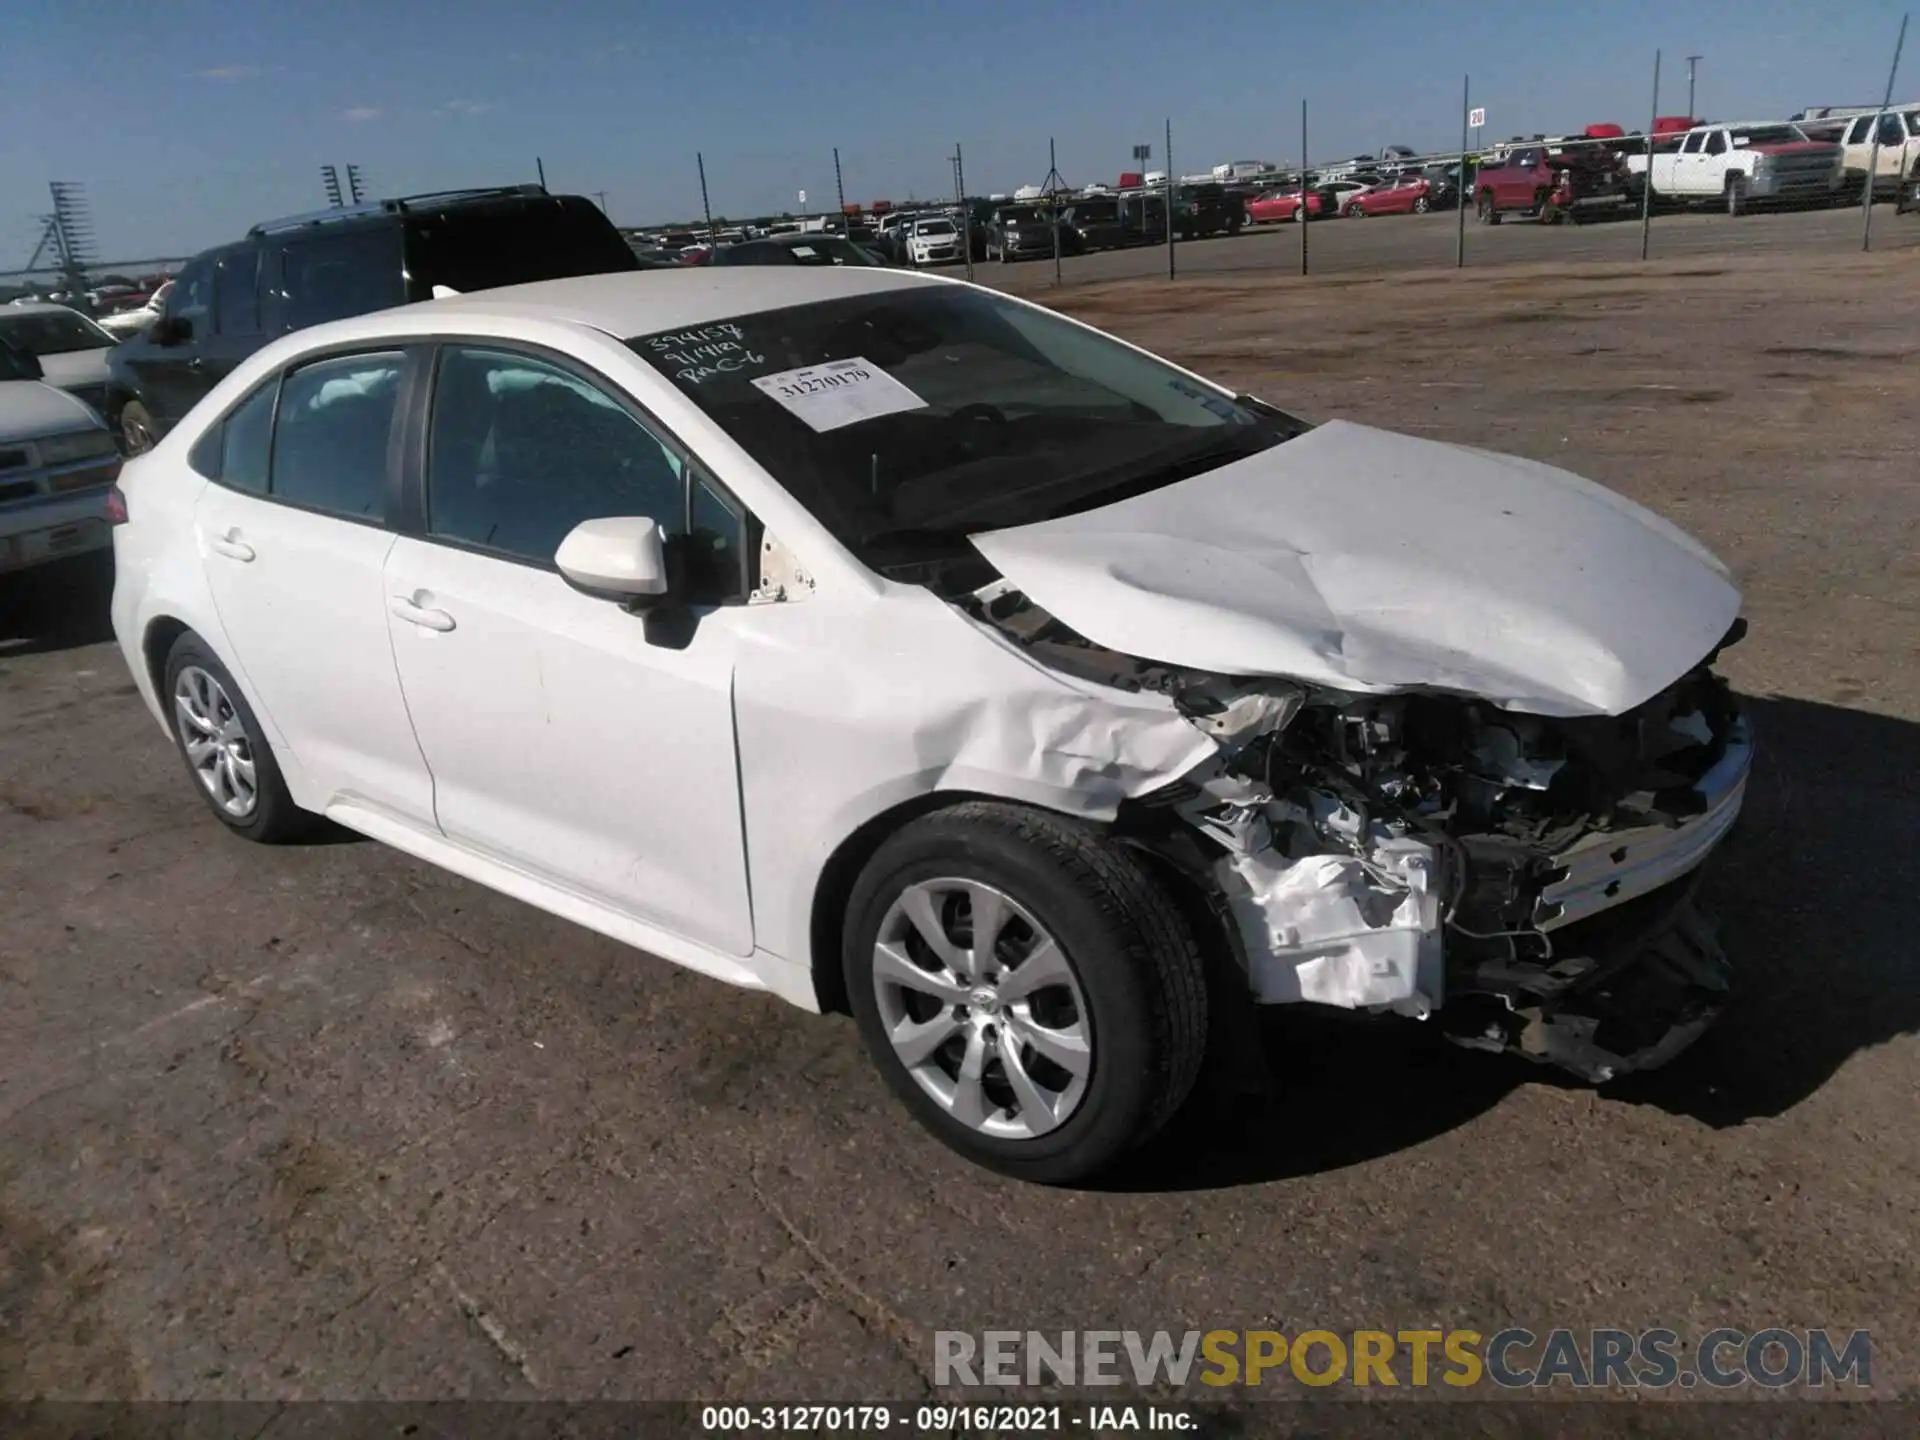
(1899, 150)
(1741, 165)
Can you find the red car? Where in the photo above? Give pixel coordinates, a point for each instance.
(1410, 195)
(1284, 205)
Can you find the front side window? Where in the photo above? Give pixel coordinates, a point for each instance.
(336, 276)
(330, 436)
(907, 419)
(1716, 144)
(191, 298)
(1691, 145)
(522, 451)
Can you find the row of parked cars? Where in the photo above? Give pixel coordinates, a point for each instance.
(75, 395)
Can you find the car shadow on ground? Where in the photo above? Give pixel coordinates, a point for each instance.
(60, 606)
(1818, 896)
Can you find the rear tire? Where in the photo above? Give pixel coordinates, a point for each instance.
(137, 432)
(1735, 195)
(1484, 207)
(224, 749)
(974, 1050)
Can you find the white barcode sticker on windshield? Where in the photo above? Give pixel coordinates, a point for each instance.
(841, 392)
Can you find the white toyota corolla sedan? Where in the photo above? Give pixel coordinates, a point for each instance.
(907, 649)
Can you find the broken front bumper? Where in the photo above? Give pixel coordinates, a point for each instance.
(1623, 970)
(1625, 991)
(1610, 867)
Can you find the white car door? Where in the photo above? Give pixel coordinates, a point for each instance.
(568, 737)
(294, 538)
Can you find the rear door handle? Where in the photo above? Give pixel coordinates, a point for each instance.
(232, 546)
(421, 615)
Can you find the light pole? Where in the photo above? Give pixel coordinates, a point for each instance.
(1692, 61)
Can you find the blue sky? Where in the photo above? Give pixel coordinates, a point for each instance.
(188, 121)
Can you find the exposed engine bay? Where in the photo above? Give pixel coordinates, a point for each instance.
(1526, 881)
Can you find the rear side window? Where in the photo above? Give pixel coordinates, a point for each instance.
(236, 293)
(335, 276)
(244, 439)
(330, 438)
(478, 247)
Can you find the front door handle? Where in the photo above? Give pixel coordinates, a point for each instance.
(421, 615)
(232, 546)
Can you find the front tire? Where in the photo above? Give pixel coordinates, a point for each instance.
(1736, 195)
(1422, 205)
(220, 740)
(1064, 1042)
(1485, 208)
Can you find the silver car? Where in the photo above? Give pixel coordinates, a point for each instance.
(71, 348)
(58, 461)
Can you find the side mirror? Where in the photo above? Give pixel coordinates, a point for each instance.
(623, 557)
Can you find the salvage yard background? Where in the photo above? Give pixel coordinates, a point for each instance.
(323, 1121)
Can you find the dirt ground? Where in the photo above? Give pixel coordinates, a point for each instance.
(323, 1122)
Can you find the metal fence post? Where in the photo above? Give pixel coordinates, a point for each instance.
(1460, 190)
(1053, 205)
(1303, 217)
(1873, 157)
(1646, 181)
(705, 208)
(966, 214)
(1170, 197)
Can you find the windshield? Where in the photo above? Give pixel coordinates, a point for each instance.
(1019, 215)
(934, 227)
(1767, 135)
(1097, 213)
(46, 332)
(814, 250)
(908, 419)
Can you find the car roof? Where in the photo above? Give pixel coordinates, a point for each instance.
(41, 307)
(642, 302)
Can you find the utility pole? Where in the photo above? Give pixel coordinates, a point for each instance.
(1692, 61)
(840, 189)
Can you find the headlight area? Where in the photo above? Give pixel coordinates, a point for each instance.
(1527, 881)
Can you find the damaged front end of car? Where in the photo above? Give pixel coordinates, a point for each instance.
(1525, 881)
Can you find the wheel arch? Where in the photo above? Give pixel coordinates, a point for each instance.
(834, 887)
(163, 632)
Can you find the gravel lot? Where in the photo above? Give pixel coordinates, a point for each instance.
(323, 1122)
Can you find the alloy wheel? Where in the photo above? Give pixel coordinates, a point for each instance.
(982, 1008)
(216, 741)
(139, 439)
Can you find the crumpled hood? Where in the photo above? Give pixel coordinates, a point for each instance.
(31, 409)
(1368, 561)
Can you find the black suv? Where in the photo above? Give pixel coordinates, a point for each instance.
(288, 274)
